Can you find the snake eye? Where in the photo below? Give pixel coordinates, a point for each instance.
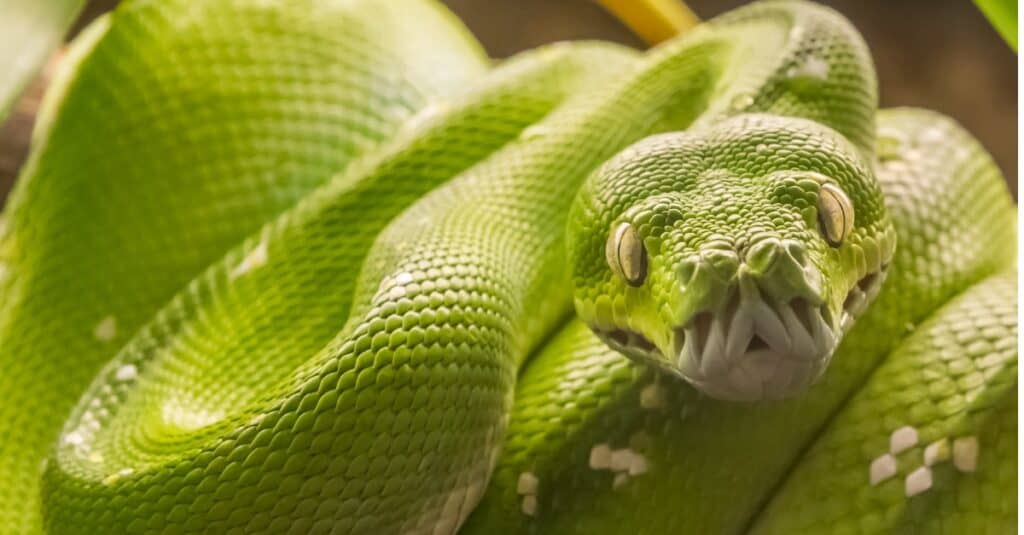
(626, 254)
(835, 214)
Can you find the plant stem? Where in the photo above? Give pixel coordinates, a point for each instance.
(653, 20)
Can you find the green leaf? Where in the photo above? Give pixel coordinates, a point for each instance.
(1003, 16)
(29, 31)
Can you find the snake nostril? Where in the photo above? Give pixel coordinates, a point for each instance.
(796, 251)
(760, 256)
(723, 262)
(687, 270)
(742, 244)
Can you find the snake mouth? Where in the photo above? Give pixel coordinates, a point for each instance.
(752, 350)
(755, 348)
(629, 342)
(861, 295)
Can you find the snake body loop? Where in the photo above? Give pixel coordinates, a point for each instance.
(387, 350)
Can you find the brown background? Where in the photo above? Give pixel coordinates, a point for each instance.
(938, 54)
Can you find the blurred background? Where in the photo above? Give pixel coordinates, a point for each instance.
(937, 54)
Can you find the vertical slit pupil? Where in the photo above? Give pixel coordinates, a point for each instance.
(632, 256)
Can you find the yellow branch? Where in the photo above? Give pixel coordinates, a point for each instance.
(653, 20)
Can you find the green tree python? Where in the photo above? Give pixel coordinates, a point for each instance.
(297, 266)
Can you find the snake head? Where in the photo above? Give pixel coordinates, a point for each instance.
(735, 257)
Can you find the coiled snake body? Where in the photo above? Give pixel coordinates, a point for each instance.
(419, 229)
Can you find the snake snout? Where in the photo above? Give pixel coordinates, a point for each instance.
(754, 323)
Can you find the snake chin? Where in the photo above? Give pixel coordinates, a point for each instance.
(756, 349)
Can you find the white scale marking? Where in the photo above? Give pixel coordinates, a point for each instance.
(536, 131)
(918, 481)
(106, 329)
(621, 460)
(932, 135)
(74, 438)
(638, 465)
(813, 67)
(427, 115)
(256, 258)
(902, 439)
(113, 478)
(527, 484)
(882, 468)
(529, 505)
(600, 457)
(965, 454)
(936, 452)
(652, 397)
(127, 372)
(450, 512)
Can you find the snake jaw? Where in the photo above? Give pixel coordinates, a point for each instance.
(755, 348)
(752, 351)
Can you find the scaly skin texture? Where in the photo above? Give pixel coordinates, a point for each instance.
(176, 129)
(256, 359)
(944, 363)
(351, 366)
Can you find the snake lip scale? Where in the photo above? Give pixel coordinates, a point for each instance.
(861, 295)
(779, 347)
